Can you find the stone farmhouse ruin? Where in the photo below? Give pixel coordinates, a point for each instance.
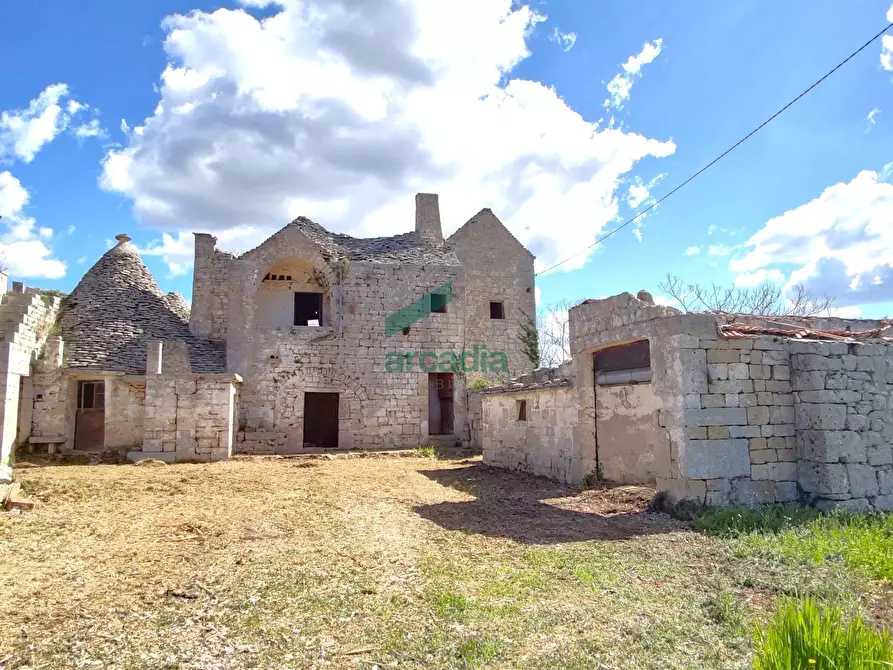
(316, 340)
(285, 348)
(716, 408)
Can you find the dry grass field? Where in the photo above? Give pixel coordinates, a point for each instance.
(405, 562)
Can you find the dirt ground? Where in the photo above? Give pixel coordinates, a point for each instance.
(352, 563)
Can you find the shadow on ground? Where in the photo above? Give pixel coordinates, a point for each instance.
(535, 510)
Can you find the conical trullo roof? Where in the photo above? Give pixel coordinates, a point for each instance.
(117, 308)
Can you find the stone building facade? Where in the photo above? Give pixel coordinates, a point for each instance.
(746, 412)
(312, 340)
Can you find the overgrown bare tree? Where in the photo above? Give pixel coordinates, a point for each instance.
(767, 299)
(554, 333)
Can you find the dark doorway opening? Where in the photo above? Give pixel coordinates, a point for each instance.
(497, 310)
(308, 307)
(89, 425)
(440, 403)
(321, 420)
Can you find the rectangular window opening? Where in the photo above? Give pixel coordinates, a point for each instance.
(522, 410)
(497, 310)
(438, 303)
(308, 309)
(623, 364)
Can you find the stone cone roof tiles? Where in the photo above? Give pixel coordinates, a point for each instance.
(117, 308)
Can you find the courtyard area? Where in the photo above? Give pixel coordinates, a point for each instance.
(409, 562)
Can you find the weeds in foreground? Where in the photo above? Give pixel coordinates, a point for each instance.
(425, 452)
(731, 521)
(804, 636)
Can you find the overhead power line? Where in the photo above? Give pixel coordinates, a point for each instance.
(720, 157)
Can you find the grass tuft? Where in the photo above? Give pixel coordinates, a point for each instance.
(803, 635)
(731, 521)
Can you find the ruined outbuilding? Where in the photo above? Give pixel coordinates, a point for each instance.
(312, 340)
(713, 407)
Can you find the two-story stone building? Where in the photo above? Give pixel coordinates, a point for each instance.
(311, 340)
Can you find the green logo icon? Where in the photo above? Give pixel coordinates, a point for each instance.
(434, 301)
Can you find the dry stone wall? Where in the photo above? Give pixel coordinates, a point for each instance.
(739, 421)
(844, 421)
(210, 289)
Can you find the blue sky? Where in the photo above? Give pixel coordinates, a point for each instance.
(235, 117)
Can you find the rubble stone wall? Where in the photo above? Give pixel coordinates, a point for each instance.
(210, 289)
(543, 444)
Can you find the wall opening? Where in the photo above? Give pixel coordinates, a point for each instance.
(521, 406)
(321, 420)
(439, 303)
(623, 364)
(89, 431)
(440, 403)
(497, 310)
(308, 309)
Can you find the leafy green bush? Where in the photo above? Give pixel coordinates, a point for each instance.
(804, 636)
(739, 520)
(425, 452)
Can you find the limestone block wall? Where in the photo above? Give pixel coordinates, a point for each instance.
(190, 417)
(542, 445)
(739, 422)
(210, 289)
(844, 421)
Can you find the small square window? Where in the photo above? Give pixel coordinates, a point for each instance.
(438, 303)
(522, 410)
(497, 311)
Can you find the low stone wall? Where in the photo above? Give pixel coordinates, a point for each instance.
(844, 421)
(190, 417)
(543, 444)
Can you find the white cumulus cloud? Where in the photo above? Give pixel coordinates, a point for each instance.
(621, 85)
(872, 118)
(23, 132)
(342, 110)
(840, 244)
(22, 249)
(693, 251)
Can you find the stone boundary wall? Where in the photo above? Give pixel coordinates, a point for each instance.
(739, 422)
(844, 421)
(190, 417)
(543, 444)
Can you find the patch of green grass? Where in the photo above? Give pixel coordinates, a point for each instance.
(723, 608)
(804, 635)
(730, 521)
(861, 543)
(425, 452)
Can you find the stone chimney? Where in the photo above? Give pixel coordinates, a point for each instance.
(123, 238)
(427, 219)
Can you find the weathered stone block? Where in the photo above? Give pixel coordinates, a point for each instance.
(852, 506)
(750, 493)
(717, 432)
(717, 371)
(757, 443)
(885, 480)
(767, 430)
(694, 370)
(732, 400)
(722, 356)
(785, 430)
(738, 371)
(731, 386)
(760, 372)
(695, 433)
(744, 431)
(747, 399)
(775, 471)
(883, 503)
(692, 401)
(879, 454)
(820, 417)
(716, 459)
(777, 386)
(713, 400)
(807, 380)
(830, 396)
(719, 416)
(781, 372)
(786, 492)
(682, 489)
(769, 343)
(863, 480)
(781, 415)
(823, 478)
(760, 456)
(757, 416)
(827, 446)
